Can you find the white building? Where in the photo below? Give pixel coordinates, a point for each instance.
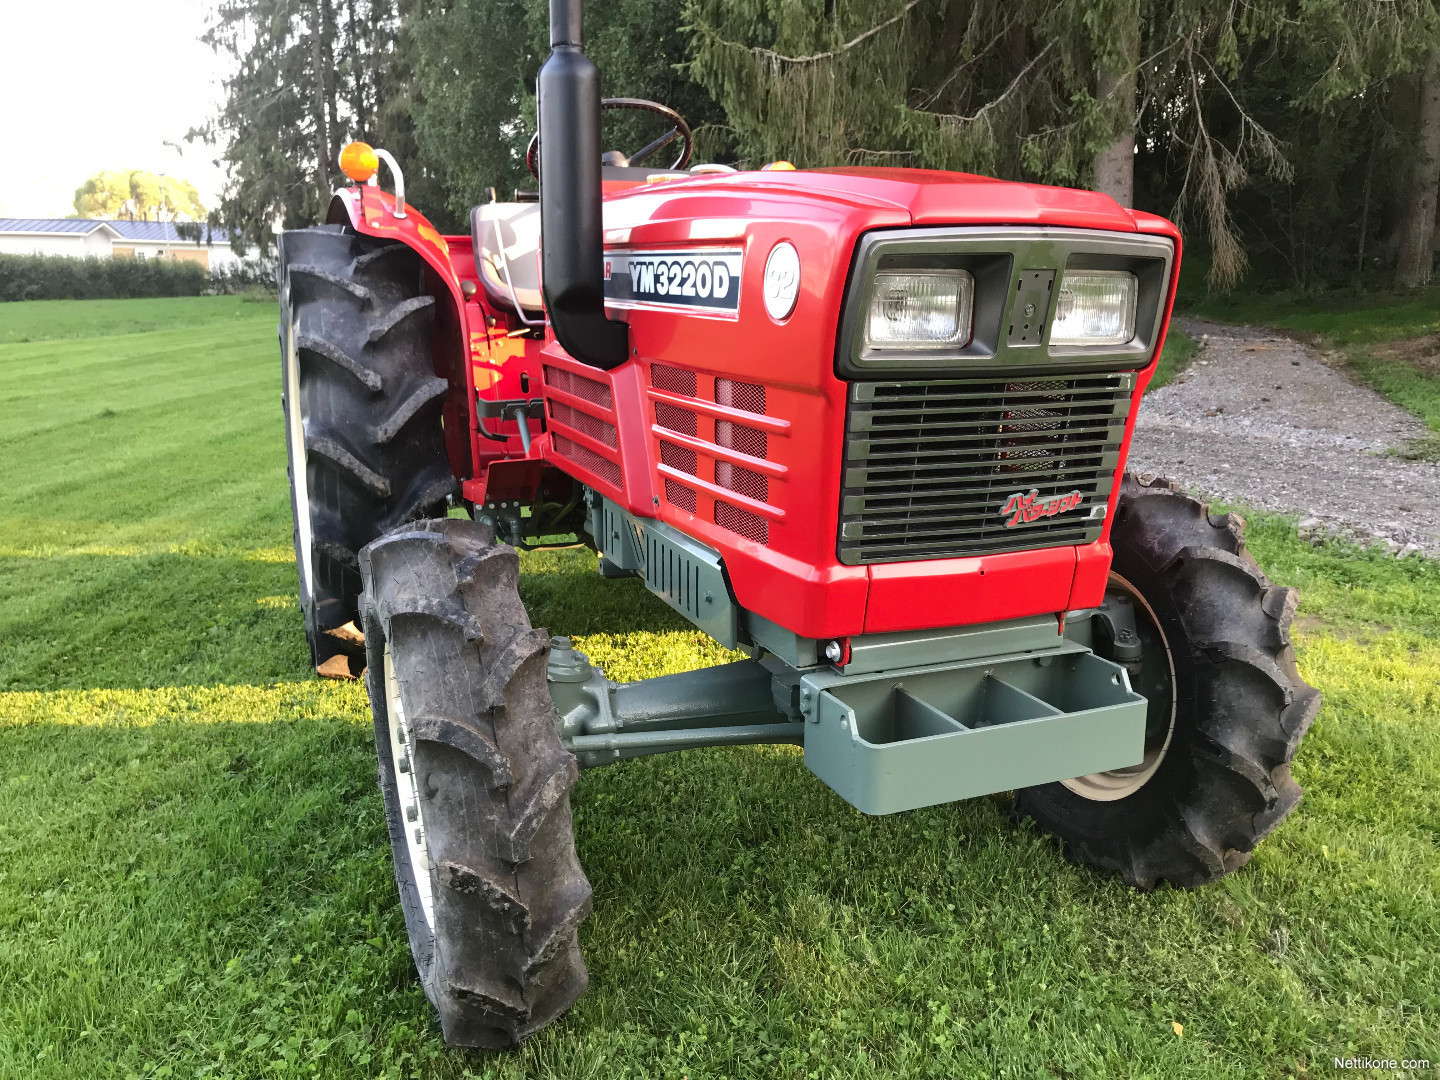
(113, 239)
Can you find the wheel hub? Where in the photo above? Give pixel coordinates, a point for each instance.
(1154, 676)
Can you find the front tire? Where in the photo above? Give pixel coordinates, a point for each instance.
(476, 782)
(1237, 712)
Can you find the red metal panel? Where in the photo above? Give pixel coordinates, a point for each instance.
(1092, 571)
(962, 592)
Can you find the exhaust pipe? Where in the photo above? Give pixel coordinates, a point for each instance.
(571, 228)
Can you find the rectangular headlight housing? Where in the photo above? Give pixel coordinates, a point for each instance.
(1094, 307)
(920, 309)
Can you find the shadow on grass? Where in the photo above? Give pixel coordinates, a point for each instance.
(74, 621)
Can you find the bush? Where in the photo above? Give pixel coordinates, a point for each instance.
(245, 277)
(63, 277)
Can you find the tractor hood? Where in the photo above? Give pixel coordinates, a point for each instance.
(894, 196)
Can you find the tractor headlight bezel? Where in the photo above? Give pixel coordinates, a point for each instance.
(1014, 277)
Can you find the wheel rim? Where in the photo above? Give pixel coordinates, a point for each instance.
(1118, 783)
(299, 474)
(402, 756)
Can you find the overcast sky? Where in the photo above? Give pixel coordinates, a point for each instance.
(90, 86)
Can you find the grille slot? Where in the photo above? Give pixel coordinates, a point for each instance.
(679, 457)
(597, 393)
(742, 437)
(597, 429)
(744, 522)
(676, 419)
(586, 458)
(746, 481)
(747, 397)
(675, 380)
(929, 466)
(679, 495)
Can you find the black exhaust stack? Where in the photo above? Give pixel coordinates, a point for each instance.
(571, 228)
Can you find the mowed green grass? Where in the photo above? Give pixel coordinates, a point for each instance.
(194, 878)
(46, 320)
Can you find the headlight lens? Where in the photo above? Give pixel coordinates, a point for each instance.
(1095, 307)
(920, 308)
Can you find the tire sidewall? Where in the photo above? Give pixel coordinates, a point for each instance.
(288, 360)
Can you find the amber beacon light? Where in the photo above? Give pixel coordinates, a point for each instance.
(359, 161)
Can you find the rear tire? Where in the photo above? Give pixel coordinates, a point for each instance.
(1240, 706)
(362, 409)
(490, 884)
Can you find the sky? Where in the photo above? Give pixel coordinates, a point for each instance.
(89, 86)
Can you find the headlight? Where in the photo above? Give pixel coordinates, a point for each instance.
(1095, 307)
(929, 308)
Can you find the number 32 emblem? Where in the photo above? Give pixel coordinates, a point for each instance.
(782, 280)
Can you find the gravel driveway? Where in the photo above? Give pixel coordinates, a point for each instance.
(1262, 420)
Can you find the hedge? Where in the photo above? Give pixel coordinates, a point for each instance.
(63, 277)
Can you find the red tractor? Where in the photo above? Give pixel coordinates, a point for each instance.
(867, 426)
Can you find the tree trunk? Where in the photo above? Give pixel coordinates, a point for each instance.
(317, 102)
(1417, 224)
(1115, 165)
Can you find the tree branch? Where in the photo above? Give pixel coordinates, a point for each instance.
(778, 58)
(1014, 83)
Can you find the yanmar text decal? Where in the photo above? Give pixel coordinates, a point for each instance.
(1022, 507)
(698, 281)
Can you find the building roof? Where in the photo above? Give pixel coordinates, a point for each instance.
(130, 230)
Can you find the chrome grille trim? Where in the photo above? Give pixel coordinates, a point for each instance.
(929, 465)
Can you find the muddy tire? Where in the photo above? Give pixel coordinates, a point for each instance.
(362, 417)
(1240, 707)
(476, 782)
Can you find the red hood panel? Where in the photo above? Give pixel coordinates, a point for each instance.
(925, 197)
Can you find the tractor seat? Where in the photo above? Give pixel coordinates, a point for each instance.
(509, 233)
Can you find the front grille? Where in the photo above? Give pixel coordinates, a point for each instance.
(930, 467)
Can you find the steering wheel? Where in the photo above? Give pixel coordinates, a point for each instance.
(678, 130)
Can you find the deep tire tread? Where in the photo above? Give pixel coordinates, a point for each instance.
(409, 408)
(343, 459)
(343, 360)
(406, 309)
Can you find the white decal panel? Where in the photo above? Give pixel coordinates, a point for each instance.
(699, 281)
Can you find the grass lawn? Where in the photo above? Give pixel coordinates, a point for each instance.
(194, 878)
(47, 320)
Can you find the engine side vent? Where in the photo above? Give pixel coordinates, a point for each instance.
(586, 458)
(747, 482)
(747, 397)
(680, 457)
(597, 429)
(591, 390)
(680, 495)
(676, 419)
(745, 439)
(742, 522)
(978, 466)
(672, 379)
